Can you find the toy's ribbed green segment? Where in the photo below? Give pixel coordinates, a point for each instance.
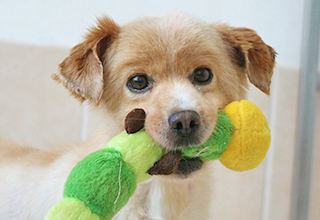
(103, 181)
(138, 150)
(71, 209)
(216, 144)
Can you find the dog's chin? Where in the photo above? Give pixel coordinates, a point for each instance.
(188, 166)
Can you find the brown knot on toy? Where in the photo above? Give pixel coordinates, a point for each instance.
(168, 164)
(134, 121)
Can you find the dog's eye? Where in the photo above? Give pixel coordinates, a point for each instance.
(138, 83)
(201, 76)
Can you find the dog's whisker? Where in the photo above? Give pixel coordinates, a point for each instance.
(203, 150)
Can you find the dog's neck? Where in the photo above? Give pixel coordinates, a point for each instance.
(170, 198)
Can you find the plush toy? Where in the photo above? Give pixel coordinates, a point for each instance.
(102, 183)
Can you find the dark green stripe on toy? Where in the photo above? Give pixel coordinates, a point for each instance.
(97, 180)
(219, 140)
(102, 181)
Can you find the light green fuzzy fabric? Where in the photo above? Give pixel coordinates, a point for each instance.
(102, 183)
(139, 151)
(71, 209)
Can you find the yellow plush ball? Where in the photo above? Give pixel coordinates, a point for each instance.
(251, 138)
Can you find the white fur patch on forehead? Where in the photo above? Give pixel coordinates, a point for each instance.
(184, 96)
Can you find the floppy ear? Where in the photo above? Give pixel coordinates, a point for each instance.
(250, 52)
(82, 71)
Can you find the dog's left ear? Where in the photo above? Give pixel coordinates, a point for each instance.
(250, 52)
(82, 71)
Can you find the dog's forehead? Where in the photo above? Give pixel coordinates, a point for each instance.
(172, 32)
(171, 26)
(168, 41)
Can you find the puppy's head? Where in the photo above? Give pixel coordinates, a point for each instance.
(181, 71)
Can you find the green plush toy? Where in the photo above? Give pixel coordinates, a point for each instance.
(102, 183)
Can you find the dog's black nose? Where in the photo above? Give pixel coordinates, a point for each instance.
(184, 123)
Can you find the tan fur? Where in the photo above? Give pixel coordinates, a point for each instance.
(82, 71)
(252, 53)
(27, 155)
(168, 49)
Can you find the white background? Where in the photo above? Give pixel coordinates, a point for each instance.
(63, 22)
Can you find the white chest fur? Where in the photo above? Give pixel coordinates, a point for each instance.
(168, 198)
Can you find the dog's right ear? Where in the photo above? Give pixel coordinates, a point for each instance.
(249, 52)
(82, 71)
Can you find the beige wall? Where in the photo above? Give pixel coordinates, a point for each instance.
(36, 110)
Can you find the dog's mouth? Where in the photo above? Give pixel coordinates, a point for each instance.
(186, 130)
(174, 163)
(183, 129)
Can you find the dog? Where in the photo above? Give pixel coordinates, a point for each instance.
(181, 71)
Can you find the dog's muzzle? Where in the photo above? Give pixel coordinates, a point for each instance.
(185, 128)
